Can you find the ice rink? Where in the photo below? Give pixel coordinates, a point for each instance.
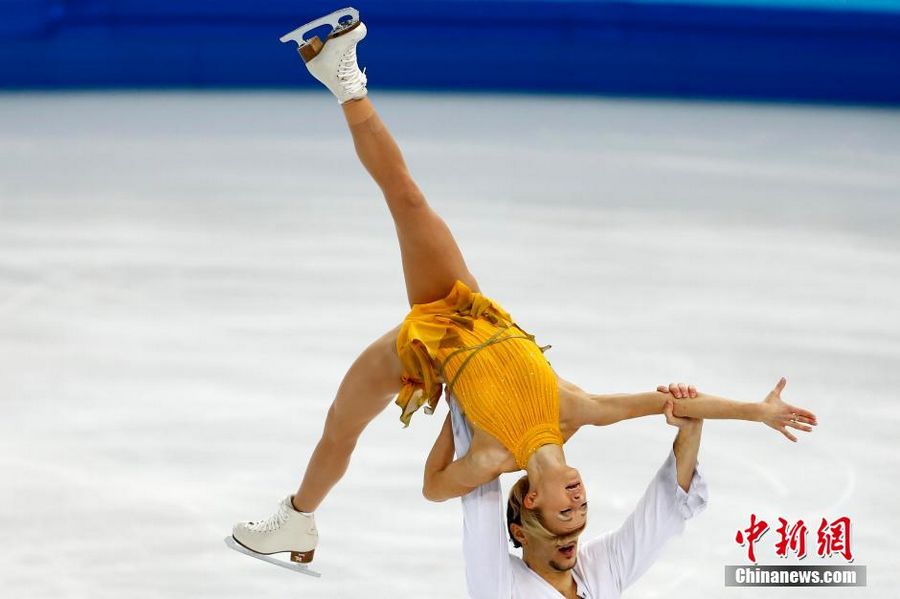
(184, 279)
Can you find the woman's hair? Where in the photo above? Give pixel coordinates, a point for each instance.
(517, 513)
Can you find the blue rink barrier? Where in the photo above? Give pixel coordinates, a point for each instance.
(557, 46)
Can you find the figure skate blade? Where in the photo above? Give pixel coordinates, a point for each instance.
(339, 20)
(301, 568)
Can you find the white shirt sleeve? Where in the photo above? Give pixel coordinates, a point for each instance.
(660, 514)
(485, 549)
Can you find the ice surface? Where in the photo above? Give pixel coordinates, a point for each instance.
(184, 279)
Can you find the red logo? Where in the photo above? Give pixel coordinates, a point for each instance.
(753, 533)
(833, 538)
(793, 539)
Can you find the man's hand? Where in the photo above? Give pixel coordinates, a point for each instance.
(677, 421)
(780, 415)
(678, 390)
(687, 442)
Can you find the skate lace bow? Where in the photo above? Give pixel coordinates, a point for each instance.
(348, 72)
(271, 523)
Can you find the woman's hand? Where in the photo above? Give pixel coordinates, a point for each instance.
(780, 415)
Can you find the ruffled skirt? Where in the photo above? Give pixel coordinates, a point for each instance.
(493, 367)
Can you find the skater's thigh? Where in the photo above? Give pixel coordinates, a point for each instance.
(373, 380)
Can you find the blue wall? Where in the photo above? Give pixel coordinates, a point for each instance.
(876, 5)
(712, 48)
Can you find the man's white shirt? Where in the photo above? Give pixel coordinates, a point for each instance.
(606, 565)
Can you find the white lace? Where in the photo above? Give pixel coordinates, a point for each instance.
(273, 522)
(353, 80)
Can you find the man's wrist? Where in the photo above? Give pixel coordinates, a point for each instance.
(688, 434)
(692, 427)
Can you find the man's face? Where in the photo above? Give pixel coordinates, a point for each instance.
(559, 553)
(564, 513)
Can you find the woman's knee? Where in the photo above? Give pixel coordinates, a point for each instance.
(340, 434)
(404, 197)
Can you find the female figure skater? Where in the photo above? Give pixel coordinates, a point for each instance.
(521, 411)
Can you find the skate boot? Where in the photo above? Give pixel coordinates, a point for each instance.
(333, 62)
(287, 530)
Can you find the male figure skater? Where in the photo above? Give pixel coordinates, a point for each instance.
(553, 567)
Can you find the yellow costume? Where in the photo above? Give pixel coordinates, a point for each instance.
(495, 369)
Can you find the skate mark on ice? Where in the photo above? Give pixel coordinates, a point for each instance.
(762, 473)
(24, 295)
(834, 458)
(302, 569)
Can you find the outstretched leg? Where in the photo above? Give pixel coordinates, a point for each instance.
(432, 261)
(367, 388)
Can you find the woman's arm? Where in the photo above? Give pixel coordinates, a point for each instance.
(446, 478)
(625, 406)
(602, 410)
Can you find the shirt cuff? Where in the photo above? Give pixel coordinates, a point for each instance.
(689, 503)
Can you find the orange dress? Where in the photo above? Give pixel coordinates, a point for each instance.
(494, 368)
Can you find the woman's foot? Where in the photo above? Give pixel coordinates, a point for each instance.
(334, 62)
(287, 530)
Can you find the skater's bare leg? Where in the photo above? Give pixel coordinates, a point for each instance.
(432, 261)
(371, 383)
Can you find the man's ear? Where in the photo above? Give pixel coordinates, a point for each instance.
(518, 534)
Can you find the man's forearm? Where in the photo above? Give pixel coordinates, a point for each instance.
(686, 447)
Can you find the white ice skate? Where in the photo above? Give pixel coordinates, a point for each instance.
(333, 62)
(286, 531)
